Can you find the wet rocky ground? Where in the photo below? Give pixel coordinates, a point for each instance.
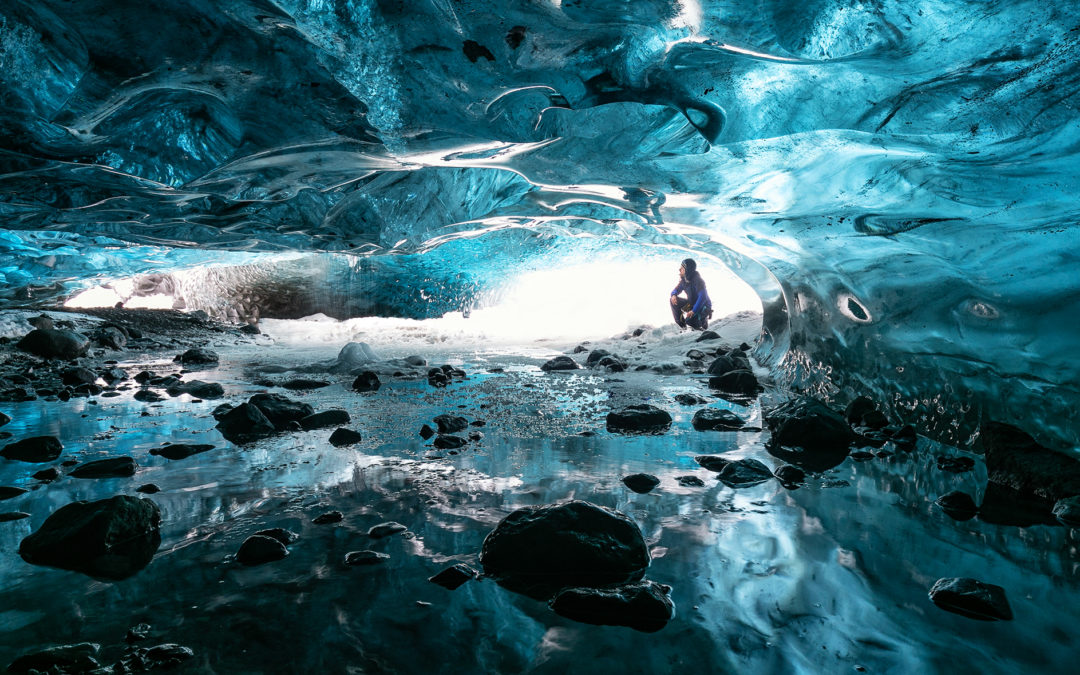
(182, 493)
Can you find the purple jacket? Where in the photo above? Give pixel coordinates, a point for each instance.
(695, 292)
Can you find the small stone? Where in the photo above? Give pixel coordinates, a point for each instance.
(9, 492)
(454, 576)
(641, 482)
(642, 418)
(326, 418)
(560, 363)
(13, 515)
(712, 462)
(448, 424)
(690, 481)
(790, 476)
(716, 419)
(386, 529)
(971, 598)
(957, 505)
(328, 518)
(286, 537)
(343, 436)
(258, 549)
(955, 464)
(112, 467)
(366, 381)
(176, 451)
(448, 442)
(138, 633)
(358, 558)
(304, 384)
(198, 357)
(149, 489)
(426, 432)
(744, 473)
(644, 606)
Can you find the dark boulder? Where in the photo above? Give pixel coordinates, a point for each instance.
(286, 537)
(690, 481)
(644, 606)
(148, 489)
(957, 505)
(143, 659)
(258, 549)
(612, 363)
(368, 380)
(47, 475)
(744, 473)
(690, 399)
(426, 432)
(281, 410)
(438, 378)
(541, 549)
(724, 364)
(107, 539)
(250, 329)
(641, 482)
(454, 576)
(1015, 460)
(809, 434)
(342, 437)
(114, 375)
(198, 357)
(197, 389)
(971, 598)
(955, 464)
(790, 476)
(77, 375)
(416, 360)
(449, 442)
(112, 467)
(76, 658)
(716, 419)
(34, 449)
(708, 335)
(9, 516)
(328, 518)
(4, 419)
(363, 558)
(326, 418)
(595, 355)
(244, 423)
(448, 424)
(560, 363)
(712, 462)
(111, 337)
(148, 396)
(49, 343)
(180, 450)
(642, 418)
(736, 382)
(385, 529)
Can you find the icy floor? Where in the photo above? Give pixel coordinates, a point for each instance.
(831, 577)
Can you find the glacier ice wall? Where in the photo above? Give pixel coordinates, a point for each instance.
(897, 179)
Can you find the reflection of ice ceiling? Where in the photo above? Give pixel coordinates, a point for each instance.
(897, 179)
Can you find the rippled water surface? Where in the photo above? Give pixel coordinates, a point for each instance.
(829, 577)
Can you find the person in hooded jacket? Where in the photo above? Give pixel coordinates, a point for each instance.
(695, 308)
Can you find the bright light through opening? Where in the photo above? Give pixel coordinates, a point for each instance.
(604, 298)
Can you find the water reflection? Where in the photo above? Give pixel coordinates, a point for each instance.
(820, 579)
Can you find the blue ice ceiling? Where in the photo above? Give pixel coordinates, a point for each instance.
(897, 179)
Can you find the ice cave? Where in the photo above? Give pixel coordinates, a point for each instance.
(335, 336)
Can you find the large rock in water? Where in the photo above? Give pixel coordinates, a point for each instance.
(281, 410)
(643, 418)
(244, 423)
(108, 539)
(110, 467)
(972, 598)
(76, 658)
(644, 606)
(542, 549)
(1015, 460)
(809, 434)
(716, 419)
(35, 449)
(49, 343)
